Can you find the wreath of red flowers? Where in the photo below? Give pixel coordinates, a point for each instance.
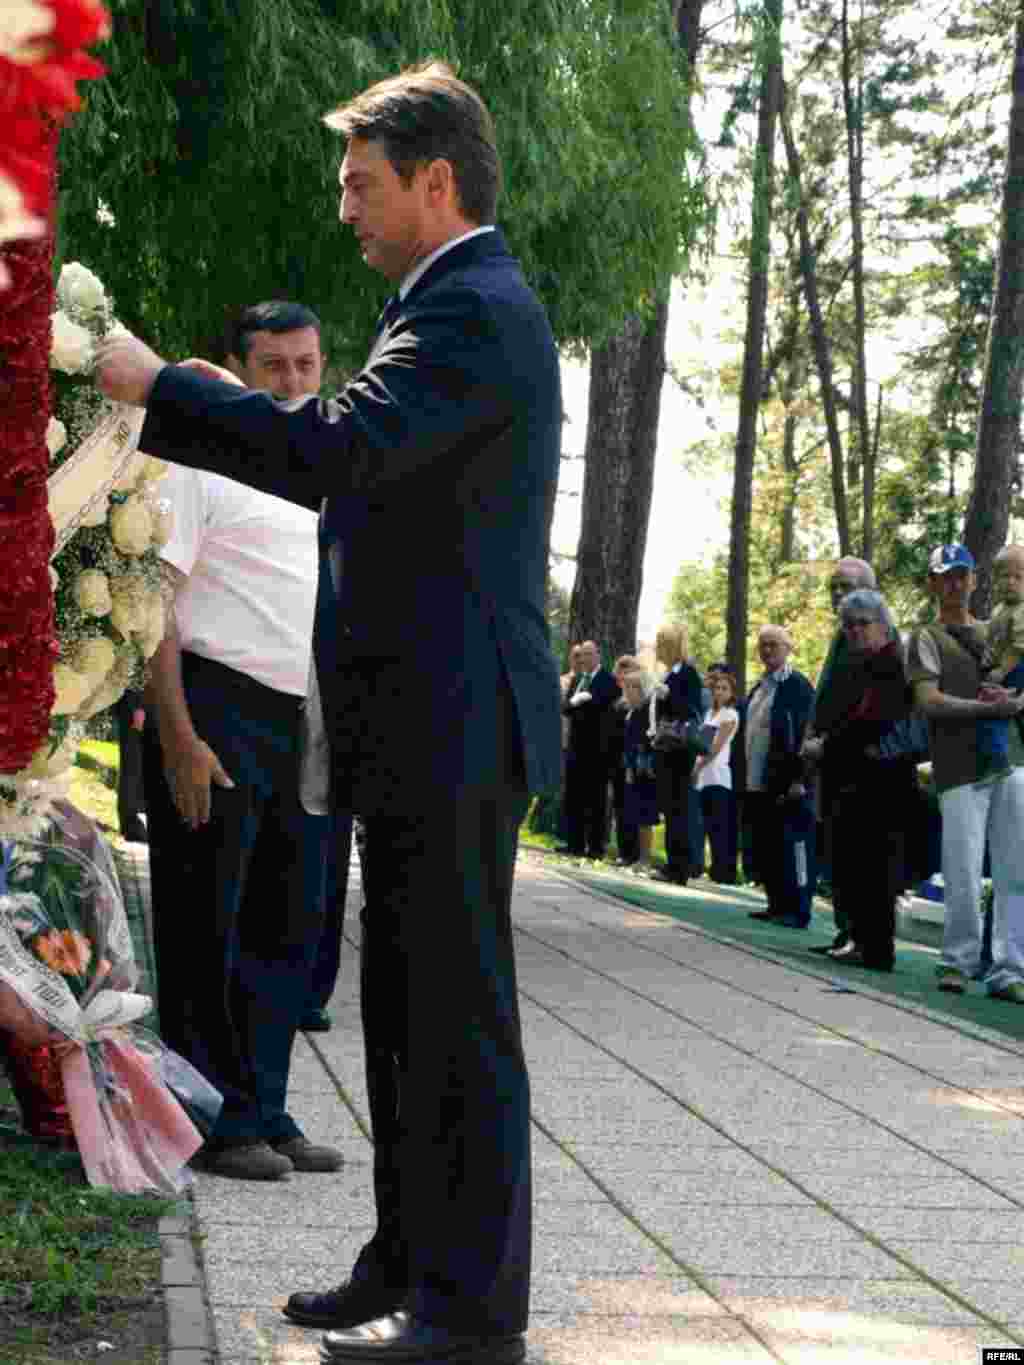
(35, 94)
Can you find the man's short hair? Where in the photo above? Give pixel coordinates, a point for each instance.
(275, 316)
(427, 114)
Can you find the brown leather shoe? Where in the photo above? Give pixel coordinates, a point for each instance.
(308, 1156)
(245, 1161)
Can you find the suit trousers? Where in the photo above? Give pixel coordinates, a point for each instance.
(718, 807)
(680, 809)
(446, 1076)
(130, 797)
(326, 963)
(784, 861)
(238, 903)
(586, 804)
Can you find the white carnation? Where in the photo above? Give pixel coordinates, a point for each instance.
(80, 290)
(92, 592)
(72, 689)
(22, 24)
(56, 436)
(95, 657)
(71, 350)
(131, 526)
(97, 513)
(15, 220)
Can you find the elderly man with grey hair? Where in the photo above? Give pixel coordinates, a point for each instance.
(849, 574)
(778, 813)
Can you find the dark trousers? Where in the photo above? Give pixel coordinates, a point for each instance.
(626, 834)
(784, 861)
(446, 1076)
(680, 809)
(586, 804)
(130, 796)
(238, 903)
(324, 976)
(869, 857)
(718, 807)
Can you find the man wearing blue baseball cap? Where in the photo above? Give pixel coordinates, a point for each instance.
(981, 794)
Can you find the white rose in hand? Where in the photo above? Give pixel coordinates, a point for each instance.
(579, 698)
(78, 288)
(71, 350)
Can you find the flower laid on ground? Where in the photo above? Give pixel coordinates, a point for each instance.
(68, 1006)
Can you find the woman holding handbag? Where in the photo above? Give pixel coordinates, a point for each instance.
(675, 711)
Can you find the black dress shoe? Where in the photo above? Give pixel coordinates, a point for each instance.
(827, 949)
(351, 1303)
(405, 1339)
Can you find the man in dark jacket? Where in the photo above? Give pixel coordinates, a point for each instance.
(588, 709)
(778, 811)
(435, 471)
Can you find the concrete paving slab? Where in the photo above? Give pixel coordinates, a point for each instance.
(601, 1340)
(763, 1299)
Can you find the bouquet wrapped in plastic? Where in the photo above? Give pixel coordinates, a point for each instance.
(68, 1006)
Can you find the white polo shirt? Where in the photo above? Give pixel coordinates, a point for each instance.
(251, 562)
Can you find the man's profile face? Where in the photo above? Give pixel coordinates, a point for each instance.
(389, 218)
(287, 364)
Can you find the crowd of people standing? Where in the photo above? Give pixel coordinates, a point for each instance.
(797, 777)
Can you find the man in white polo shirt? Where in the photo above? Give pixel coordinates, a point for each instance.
(238, 866)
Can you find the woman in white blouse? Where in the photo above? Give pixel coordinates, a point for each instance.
(713, 780)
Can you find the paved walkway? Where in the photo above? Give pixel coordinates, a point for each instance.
(738, 1159)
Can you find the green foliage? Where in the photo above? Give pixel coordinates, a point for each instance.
(67, 1248)
(200, 178)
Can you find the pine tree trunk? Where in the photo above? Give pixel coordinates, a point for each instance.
(819, 338)
(998, 445)
(862, 467)
(753, 346)
(626, 376)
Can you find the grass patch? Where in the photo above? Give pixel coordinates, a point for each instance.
(94, 798)
(77, 1265)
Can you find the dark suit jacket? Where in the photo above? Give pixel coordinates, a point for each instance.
(438, 464)
(591, 724)
(791, 711)
(683, 701)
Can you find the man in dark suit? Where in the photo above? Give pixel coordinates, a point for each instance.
(588, 709)
(130, 716)
(437, 468)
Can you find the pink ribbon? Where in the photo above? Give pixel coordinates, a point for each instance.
(133, 1142)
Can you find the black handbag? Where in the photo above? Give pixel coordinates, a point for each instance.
(681, 737)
